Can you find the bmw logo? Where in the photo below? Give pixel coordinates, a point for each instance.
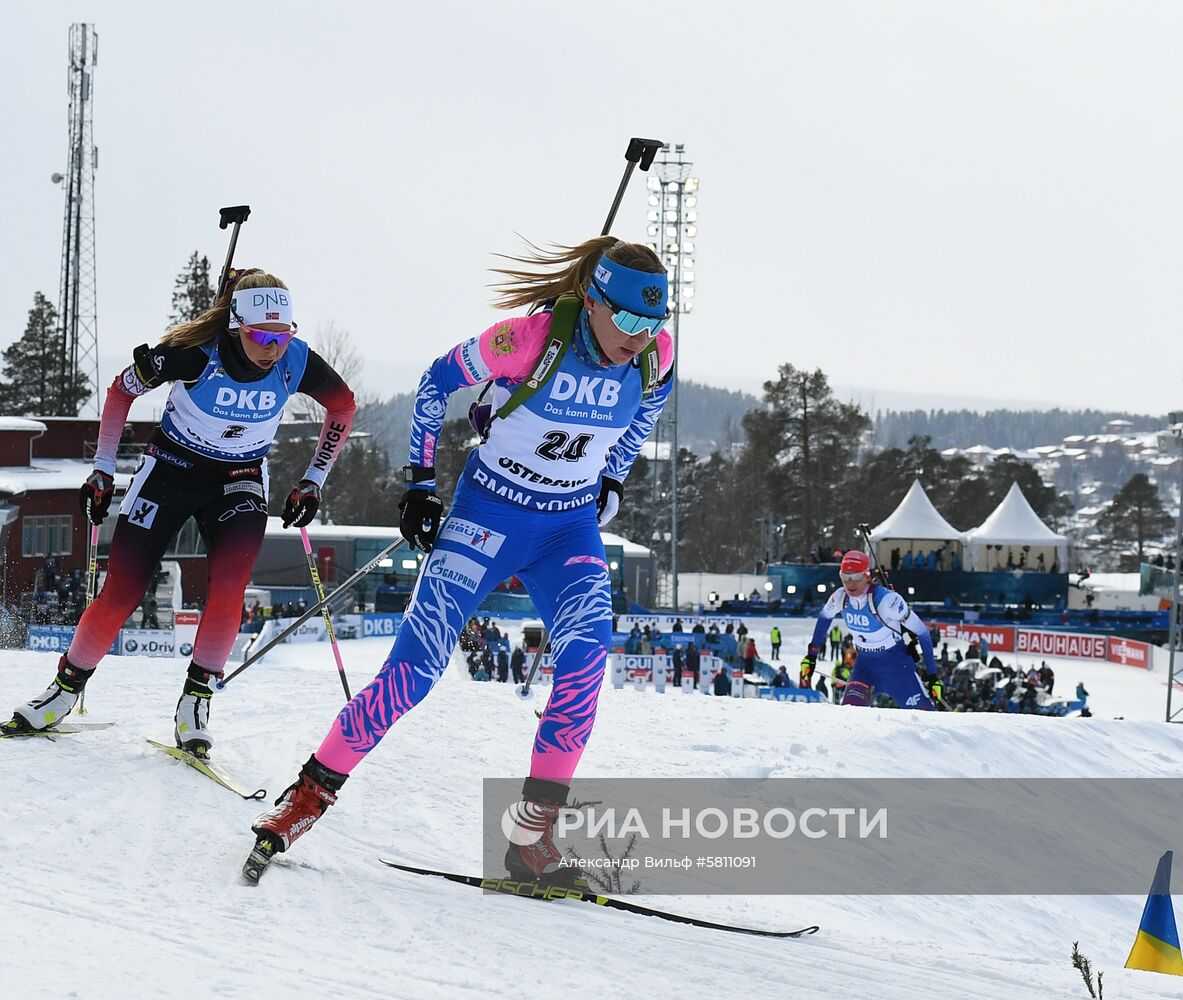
(186, 648)
(130, 646)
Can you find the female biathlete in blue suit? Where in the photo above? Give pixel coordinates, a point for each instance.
(597, 368)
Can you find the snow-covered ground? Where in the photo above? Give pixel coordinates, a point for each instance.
(120, 866)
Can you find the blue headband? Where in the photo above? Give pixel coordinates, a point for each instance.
(640, 292)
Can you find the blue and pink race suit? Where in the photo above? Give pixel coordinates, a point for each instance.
(525, 506)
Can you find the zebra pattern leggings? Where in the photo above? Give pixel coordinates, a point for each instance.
(560, 558)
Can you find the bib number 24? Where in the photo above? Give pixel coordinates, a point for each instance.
(559, 446)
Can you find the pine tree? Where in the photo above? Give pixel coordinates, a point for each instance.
(193, 293)
(361, 489)
(1135, 515)
(801, 446)
(32, 369)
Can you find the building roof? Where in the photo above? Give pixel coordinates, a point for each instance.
(20, 424)
(51, 474)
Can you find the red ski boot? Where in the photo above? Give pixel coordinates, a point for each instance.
(301, 804)
(532, 855)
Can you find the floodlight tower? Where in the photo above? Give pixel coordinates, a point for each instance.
(77, 297)
(673, 228)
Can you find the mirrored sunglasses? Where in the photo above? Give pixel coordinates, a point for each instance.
(631, 323)
(265, 337)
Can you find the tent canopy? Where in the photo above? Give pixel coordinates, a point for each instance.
(915, 519)
(1012, 527)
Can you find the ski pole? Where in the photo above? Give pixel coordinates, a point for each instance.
(524, 691)
(314, 610)
(640, 151)
(237, 214)
(320, 592)
(865, 531)
(913, 646)
(92, 573)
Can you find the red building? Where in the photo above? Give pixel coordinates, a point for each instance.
(43, 463)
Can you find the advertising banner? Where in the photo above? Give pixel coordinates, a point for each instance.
(380, 624)
(312, 630)
(185, 631)
(1000, 638)
(56, 639)
(1129, 652)
(148, 642)
(49, 638)
(1036, 642)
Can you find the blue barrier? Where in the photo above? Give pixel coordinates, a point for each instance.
(56, 639)
(380, 624)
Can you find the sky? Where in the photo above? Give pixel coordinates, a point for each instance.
(974, 202)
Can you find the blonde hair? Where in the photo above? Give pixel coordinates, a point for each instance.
(539, 281)
(215, 319)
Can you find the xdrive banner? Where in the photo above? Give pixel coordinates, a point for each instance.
(937, 836)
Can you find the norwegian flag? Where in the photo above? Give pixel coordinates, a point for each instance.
(272, 316)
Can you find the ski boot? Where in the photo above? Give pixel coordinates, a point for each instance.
(302, 803)
(54, 703)
(532, 855)
(192, 717)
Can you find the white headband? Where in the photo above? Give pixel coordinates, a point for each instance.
(255, 306)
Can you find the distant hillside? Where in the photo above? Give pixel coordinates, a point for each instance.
(710, 418)
(998, 428)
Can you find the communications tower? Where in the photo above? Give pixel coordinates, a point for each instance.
(77, 304)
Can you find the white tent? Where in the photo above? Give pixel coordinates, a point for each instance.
(1013, 537)
(916, 526)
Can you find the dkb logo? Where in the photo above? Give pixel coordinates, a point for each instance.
(246, 399)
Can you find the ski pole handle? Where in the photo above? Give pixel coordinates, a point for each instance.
(639, 152)
(236, 214)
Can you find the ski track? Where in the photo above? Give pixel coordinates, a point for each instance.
(121, 864)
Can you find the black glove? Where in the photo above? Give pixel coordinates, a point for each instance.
(302, 504)
(95, 496)
(608, 505)
(420, 514)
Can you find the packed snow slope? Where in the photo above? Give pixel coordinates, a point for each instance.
(120, 866)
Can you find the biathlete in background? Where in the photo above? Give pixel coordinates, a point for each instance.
(577, 387)
(233, 369)
(877, 619)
